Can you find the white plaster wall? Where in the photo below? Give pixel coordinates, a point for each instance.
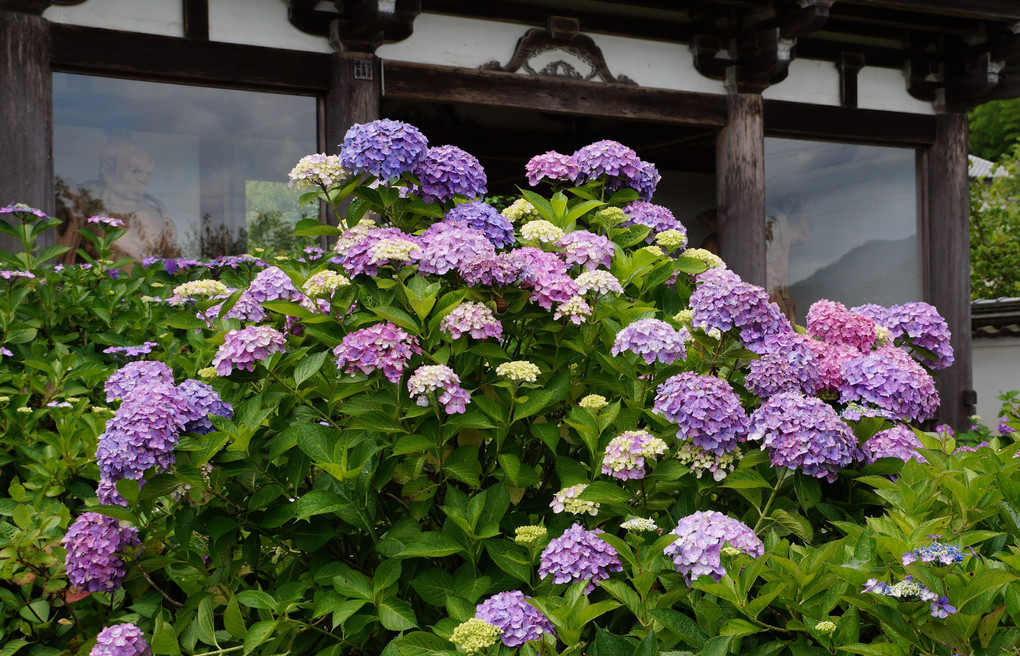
(996, 369)
(809, 81)
(165, 17)
(259, 23)
(886, 88)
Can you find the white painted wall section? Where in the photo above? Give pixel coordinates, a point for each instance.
(809, 81)
(165, 18)
(996, 370)
(259, 23)
(886, 88)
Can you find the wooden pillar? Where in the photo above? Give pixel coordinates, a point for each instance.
(740, 187)
(26, 114)
(947, 261)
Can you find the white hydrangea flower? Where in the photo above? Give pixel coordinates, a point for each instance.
(324, 283)
(710, 259)
(521, 211)
(639, 524)
(541, 231)
(599, 281)
(519, 371)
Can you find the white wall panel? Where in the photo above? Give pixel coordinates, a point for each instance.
(996, 369)
(259, 23)
(165, 17)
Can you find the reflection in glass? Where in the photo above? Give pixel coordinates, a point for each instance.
(191, 170)
(842, 223)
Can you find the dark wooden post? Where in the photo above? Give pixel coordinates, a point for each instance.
(740, 187)
(948, 259)
(26, 112)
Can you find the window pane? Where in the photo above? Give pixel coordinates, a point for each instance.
(842, 223)
(188, 168)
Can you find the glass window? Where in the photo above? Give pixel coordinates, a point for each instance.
(842, 223)
(193, 171)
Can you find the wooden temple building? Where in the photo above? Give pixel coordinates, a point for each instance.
(819, 145)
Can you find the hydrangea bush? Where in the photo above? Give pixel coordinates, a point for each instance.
(457, 430)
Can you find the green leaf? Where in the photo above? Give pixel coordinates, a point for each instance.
(233, 621)
(315, 440)
(185, 321)
(555, 391)
(308, 366)
(164, 639)
(205, 625)
(988, 624)
(430, 545)
(398, 317)
(320, 502)
(396, 615)
(796, 524)
(257, 634)
(717, 646)
(12, 647)
(510, 558)
(604, 492)
(352, 583)
(386, 574)
(744, 479)
(684, 626)
(315, 228)
(256, 599)
(608, 644)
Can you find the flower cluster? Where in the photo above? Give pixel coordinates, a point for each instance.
(529, 535)
(272, 284)
(544, 274)
(449, 245)
(910, 590)
(484, 217)
(94, 546)
(474, 636)
(352, 236)
(653, 340)
(575, 308)
(121, 640)
(400, 250)
(601, 282)
(723, 301)
(672, 239)
(448, 171)
(936, 552)
(626, 454)
(519, 371)
(706, 410)
(701, 536)
(579, 555)
(431, 378)
(639, 524)
(832, 323)
(699, 460)
(787, 362)
(552, 166)
(896, 442)
(521, 211)
(490, 269)
(105, 220)
(586, 249)
(922, 324)
(708, 258)
(593, 402)
(471, 318)
(383, 148)
(324, 283)
(318, 170)
(518, 621)
(188, 291)
(656, 217)
(618, 165)
(243, 348)
(146, 372)
(131, 351)
(382, 346)
(540, 231)
(566, 501)
(892, 380)
(202, 401)
(143, 432)
(804, 431)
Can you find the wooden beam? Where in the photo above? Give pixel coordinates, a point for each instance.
(169, 59)
(996, 10)
(26, 114)
(196, 19)
(411, 81)
(947, 261)
(793, 119)
(740, 188)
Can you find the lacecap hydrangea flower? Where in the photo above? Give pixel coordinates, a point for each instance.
(896, 442)
(383, 148)
(95, 545)
(243, 348)
(552, 166)
(653, 340)
(586, 249)
(474, 636)
(146, 372)
(706, 410)
(566, 501)
(448, 171)
(701, 536)
(383, 346)
(831, 322)
(890, 379)
(804, 431)
(579, 555)
(518, 621)
(936, 552)
(473, 319)
(432, 378)
(723, 301)
(202, 401)
(127, 351)
(318, 170)
(142, 432)
(626, 454)
(484, 217)
(910, 590)
(121, 640)
(519, 371)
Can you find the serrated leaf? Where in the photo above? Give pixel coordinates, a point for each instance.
(256, 599)
(396, 615)
(308, 366)
(233, 621)
(257, 634)
(430, 544)
(205, 625)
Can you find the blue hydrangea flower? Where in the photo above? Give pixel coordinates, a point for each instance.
(94, 546)
(923, 326)
(653, 340)
(705, 408)
(936, 552)
(202, 401)
(519, 621)
(896, 442)
(892, 380)
(448, 171)
(786, 362)
(723, 301)
(147, 372)
(142, 432)
(484, 217)
(383, 148)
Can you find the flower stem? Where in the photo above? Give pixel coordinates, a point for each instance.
(768, 504)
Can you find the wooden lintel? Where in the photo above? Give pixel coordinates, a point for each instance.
(791, 119)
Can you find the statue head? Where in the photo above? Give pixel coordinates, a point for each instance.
(125, 169)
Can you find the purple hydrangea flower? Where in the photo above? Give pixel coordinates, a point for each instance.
(829, 359)
(518, 621)
(243, 348)
(896, 442)
(5, 351)
(787, 362)
(724, 301)
(579, 555)
(450, 244)
(653, 340)
(619, 164)
(121, 640)
(498, 270)
(94, 546)
(890, 379)
(706, 410)
(146, 372)
(383, 148)
(448, 171)
(877, 313)
(552, 166)
(21, 208)
(546, 275)
(142, 432)
(696, 552)
(804, 431)
(431, 378)
(471, 318)
(202, 401)
(272, 284)
(922, 324)
(247, 310)
(656, 217)
(626, 454)
(131, 351)
(831, 322)
(586, 249)
(108, 495)
(941, 608)
(484, 217)
(382, 346)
